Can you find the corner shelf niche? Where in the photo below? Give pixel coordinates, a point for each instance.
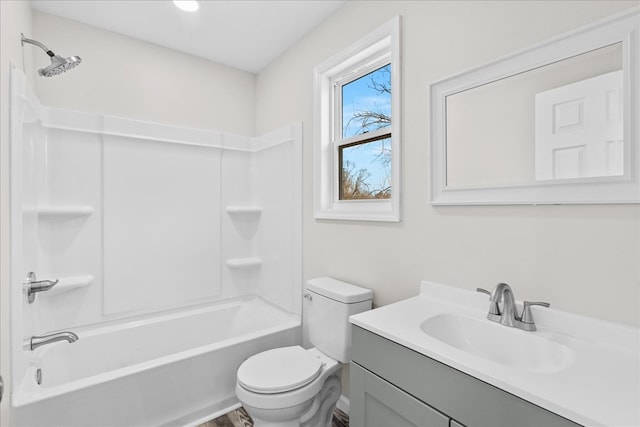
(70, 283)
(244, 263)
(63, 212)
(244, 210)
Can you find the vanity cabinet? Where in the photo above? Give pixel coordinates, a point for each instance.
(380, 403)
(392, 385)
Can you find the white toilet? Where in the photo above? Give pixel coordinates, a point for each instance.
(292, 386)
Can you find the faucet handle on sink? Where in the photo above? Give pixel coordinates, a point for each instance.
(527, 316)
(494, 310)
(484, 291)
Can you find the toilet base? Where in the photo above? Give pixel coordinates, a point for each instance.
(263, 423)
(316, 412)
(281, 417)
(321, 412)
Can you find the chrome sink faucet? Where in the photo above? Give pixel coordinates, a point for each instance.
(508, 315)
(502, 292)
(36, 342)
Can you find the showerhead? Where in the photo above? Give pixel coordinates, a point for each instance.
(58, 63)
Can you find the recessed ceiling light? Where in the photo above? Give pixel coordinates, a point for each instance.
(187, 5)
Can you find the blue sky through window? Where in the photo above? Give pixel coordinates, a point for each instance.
(366, 107)
(366, 94)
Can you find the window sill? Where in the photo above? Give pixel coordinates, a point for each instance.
(361, 210)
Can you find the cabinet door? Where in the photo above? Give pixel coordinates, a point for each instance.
(376, 403)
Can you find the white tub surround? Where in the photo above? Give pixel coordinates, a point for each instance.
(140, 221)
(594, 380)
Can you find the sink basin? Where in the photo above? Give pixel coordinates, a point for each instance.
(580, 368)
(507, 346)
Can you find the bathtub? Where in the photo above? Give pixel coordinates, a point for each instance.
(173, 369)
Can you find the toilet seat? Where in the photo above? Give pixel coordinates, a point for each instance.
(279, 370)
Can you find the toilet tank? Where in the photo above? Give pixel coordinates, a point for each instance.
(328, 303)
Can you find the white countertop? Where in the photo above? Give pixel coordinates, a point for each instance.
(600, 386)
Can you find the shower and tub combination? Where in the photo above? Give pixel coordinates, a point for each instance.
(159, 258)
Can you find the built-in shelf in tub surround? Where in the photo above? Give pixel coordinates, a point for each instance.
(244, 263)
(63, 212)
(244, 210)
(70, 283)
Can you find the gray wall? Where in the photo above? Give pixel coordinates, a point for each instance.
(567, 255)
(126, 77)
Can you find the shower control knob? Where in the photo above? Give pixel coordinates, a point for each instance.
(34, 286)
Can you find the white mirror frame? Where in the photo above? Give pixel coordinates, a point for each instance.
(624, 28)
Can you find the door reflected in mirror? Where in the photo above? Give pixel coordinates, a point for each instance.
(562, 121)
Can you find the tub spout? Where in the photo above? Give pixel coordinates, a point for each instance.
(36, 342)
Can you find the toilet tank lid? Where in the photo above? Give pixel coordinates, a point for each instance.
(339, 290)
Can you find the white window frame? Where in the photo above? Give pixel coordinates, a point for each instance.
(378, 48)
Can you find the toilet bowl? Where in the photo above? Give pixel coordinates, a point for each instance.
(293, 386)
(277, 387)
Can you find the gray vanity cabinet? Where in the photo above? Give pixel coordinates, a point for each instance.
(380, 404)
(393, 386)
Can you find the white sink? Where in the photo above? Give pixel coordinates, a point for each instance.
(581, 368)
(500, 344)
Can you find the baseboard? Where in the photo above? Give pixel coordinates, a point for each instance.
(343, 404)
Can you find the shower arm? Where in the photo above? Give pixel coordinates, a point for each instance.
(37, 43)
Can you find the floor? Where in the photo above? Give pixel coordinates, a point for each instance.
(240, 418)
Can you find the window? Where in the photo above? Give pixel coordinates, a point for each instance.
(357, 147)
(363, 136)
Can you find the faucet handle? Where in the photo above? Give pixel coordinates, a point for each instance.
(494, 310)
(484, 291)
(527, 316)
(33, 286)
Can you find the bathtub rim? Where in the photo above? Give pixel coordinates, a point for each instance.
(28, 391)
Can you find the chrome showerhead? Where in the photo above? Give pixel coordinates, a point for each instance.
(58, 63)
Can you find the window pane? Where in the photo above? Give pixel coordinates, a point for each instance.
(365, 169)
(366, 103)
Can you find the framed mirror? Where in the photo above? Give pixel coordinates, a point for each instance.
(556, 123)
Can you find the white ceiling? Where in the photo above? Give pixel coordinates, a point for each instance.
(244, 34)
